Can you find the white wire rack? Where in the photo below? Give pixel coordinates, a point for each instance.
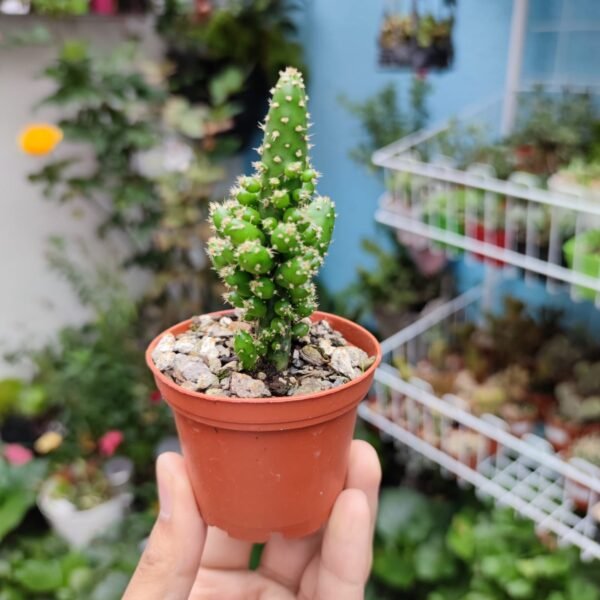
(525, 474)
(513, 224)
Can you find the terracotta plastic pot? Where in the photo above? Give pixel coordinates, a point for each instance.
(268, 465)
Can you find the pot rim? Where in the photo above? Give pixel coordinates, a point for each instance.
(317, 315)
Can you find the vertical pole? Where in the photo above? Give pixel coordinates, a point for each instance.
(515, 61)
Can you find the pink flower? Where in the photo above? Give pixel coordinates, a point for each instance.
(421, 74)
(110, 441)
(17, 455)
(155, 397)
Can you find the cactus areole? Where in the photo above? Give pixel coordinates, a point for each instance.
(272, 234)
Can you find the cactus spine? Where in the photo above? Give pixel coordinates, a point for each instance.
(272, 233)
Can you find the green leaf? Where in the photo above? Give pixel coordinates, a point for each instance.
(393, 568)
(32, 400)
(550, 566)
(226, 83)
(10, 593)
(9, 394)
(74, 51)
(80, 578)
(579, 588)
(13, 507)
(39, 575)
(433, 560)
(500, 568)
(520, 588)
(461, 538)
(17, 491)
(404, 515)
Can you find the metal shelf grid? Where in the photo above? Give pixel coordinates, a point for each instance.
(512, 224)
(525, 474)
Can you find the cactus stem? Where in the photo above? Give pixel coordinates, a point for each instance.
(271, 236)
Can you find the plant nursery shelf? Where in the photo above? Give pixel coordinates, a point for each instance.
(480, 247)
(523, 473)
(437, 190)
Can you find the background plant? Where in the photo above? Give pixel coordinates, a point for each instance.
(383, 120)
(393, 284)
(199, 45)
(39, 566)
(94, 375)
(152, 172)
(431, 549)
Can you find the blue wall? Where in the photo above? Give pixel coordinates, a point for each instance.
(340, 38)
(340, 41)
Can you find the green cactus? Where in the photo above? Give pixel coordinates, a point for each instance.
(273, 232)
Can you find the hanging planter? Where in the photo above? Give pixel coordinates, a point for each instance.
(418, 39)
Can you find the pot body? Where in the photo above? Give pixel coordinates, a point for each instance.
(268, 465)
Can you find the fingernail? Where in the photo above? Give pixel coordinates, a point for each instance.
(164, 492)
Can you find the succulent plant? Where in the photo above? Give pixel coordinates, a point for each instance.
(588, 448)
(554, 362)
(273, 232)
(82, 483)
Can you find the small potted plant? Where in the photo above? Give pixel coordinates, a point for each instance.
(265, 396)
(80, 503)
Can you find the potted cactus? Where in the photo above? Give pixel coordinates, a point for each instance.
(264, 396)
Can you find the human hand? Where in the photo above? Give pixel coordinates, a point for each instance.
(186, 560)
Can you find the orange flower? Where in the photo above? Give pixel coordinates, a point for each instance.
(39, 139)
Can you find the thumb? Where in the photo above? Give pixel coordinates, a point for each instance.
(169, 564)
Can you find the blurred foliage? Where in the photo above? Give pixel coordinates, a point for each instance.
(40, 567)
(393, 284)
(431, 549)
(94, 375)
(264, 33)
(236, 47)
(18, 487)
(558, 127)
(55, 8)
(35, 35)
(383, 120)
(144, 160)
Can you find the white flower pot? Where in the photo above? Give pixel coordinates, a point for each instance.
(79, 527)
